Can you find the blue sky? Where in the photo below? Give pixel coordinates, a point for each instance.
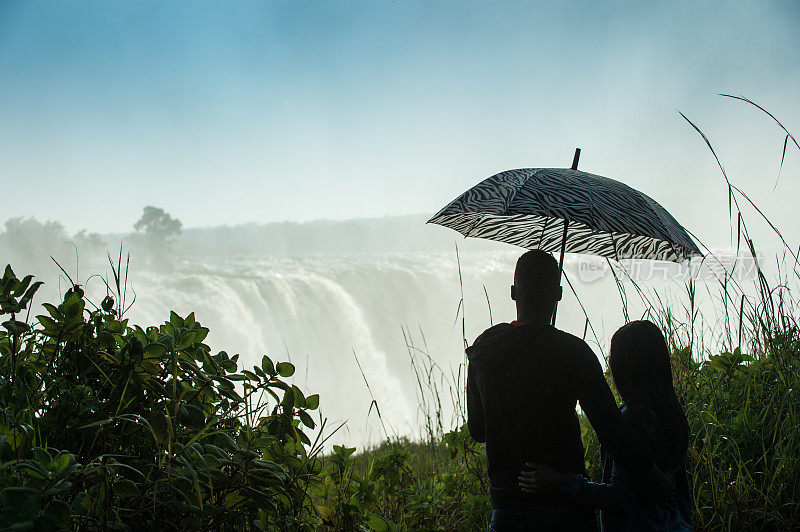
(232, 112)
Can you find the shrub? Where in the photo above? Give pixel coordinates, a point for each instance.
(104, 424)
(108, 425)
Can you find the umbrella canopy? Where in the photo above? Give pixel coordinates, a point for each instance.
(540, 208)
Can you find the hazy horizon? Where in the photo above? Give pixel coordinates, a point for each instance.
(321, 307)
(268, 111)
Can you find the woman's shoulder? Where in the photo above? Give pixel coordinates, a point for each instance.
(643, 423)
(630, 420)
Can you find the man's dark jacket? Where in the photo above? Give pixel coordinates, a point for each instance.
(523, 382)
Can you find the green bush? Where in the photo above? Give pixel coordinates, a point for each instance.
(104, 424)
(108, 425)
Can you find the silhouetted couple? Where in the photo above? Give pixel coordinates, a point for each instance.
(524, 380)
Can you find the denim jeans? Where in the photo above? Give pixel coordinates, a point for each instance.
(537, 520)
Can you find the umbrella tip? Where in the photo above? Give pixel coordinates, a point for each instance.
(576, 158)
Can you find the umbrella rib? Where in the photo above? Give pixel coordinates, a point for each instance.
(544, 228)
(563, 245)
(614, 246)
(675, 251)
(589, 185)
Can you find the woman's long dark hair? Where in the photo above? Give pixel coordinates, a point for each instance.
(640, 365)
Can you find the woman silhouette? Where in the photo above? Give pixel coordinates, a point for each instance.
(642, 373)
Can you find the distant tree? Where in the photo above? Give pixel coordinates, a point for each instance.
(89, 240)
(155, 233)
(158, 226)
(29, 243)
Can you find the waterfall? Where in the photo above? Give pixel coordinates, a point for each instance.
(322, 311)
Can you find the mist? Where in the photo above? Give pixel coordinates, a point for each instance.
(350, 303)
(327, 296)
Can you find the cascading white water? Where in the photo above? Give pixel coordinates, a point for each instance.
(323, 311)
(326, 311)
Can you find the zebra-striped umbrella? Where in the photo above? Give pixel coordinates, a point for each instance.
(563, 209)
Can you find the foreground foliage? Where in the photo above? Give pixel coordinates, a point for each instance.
(104, 424)
(108, 425)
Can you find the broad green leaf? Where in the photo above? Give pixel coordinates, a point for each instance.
(52, 310)
(60, 462)
(285, 369)
(267, 366)
(125, 488)
(377, 524)
(49, 324)
(155, 350)
(175, 320)
(312, 401)
(22, 285)
(299, 398)
(306, 419)
(16, 327)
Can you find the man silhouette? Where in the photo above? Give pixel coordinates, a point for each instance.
(523, 381)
